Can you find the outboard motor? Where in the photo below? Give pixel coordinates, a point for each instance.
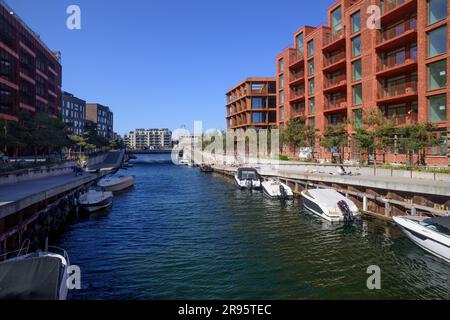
(348, 215)
(283, 192)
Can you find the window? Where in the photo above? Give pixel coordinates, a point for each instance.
(311, 67)
(258, 103)
(311, 86)
(257, 86)
(437, 41)
(336, 20)
(300, 43)
(437, 10)
(6, 65)
(438, 108)
(357, 70)
(357, 95)
(312, 122)
(312, 105)
(281, 65)
(282, 97)
(311, 48)
(356, 46)
(441, 148)
(356, 22)
(437, 75)
(281, 83)
(258, 117)
(358, 118)
(281, 114)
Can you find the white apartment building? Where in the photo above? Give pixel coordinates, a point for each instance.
(149, 139)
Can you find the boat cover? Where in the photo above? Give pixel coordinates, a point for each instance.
(442, 221)
(35, 278)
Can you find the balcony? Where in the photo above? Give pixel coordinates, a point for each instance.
(297, 112)
(396, 64)
(398, 92)
(334, 40)
(336, 105)
(398, 35)
(334, 61)
(394, 10)
(403, 119)
(296, 77)
(296, 58)
(297, 95)
(336, 83)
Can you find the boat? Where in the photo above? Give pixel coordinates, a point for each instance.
(276, 190)
(36, 276)
(206, 168)
(95, 200)
(248, 178)
(116, 183)
(431, 234)
(330, 205)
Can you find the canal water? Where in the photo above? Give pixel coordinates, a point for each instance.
(182, 234)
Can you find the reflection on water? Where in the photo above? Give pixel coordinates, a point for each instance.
(181, 234)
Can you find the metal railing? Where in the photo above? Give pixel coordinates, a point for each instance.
(398, 89)
(334, 81)
(335, 104)
(398, 30)
(332, 59)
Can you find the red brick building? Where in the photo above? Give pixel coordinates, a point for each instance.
(252, 103)
(30, 75)
(350, 66)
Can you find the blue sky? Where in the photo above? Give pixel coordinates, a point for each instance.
(162, 63)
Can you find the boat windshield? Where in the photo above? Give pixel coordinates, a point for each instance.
(431, 224)
(248, 175)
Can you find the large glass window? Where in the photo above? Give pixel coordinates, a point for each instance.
(357, 70)
(281, 83)
(356, 46)
(311, 86)
(281, 65)
(258, 103)
(311, 48)
(441, 148)
(258, 117)
(356, 22)
(336, 20)
(437, 75)
(357, 95)
(437, 41)
(300, 43)
(282, 113)
(358, 118)
(437, 10)
(438, 108)
(282, 97)
(312, 105)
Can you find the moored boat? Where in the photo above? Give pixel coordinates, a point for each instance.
(206, 168)
(95, 200)
(276, 190)
(330, 205)
(248, 178)
(35, 276)
(431, 234)
(116, 183)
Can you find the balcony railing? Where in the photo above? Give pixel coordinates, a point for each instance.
(297, 75)
(398, 89)
(299, 93)
(334, 36)
(334, 81)
(296, 57)
(395, 61)
(402, 119)
(389, 5)
(298, 112)
(332, 59)
(335, 104)
(398, 30)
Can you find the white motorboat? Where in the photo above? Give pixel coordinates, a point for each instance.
(248, 178)
(330, 205)
(95, 200)
(431, 234)
(276, 190)
(35, 276)
(116, 183)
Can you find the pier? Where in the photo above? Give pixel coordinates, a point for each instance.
(50, 199)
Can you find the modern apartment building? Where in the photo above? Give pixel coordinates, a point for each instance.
(73, 113)
(252, 103)
(30, 73)
(344, 69)
(149, 139)
(102, 117)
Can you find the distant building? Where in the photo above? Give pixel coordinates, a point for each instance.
(30, 75)
(149, 139)
(73, 113)
(103, 117)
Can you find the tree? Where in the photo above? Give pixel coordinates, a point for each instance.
(335, 137)
(295, 134)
